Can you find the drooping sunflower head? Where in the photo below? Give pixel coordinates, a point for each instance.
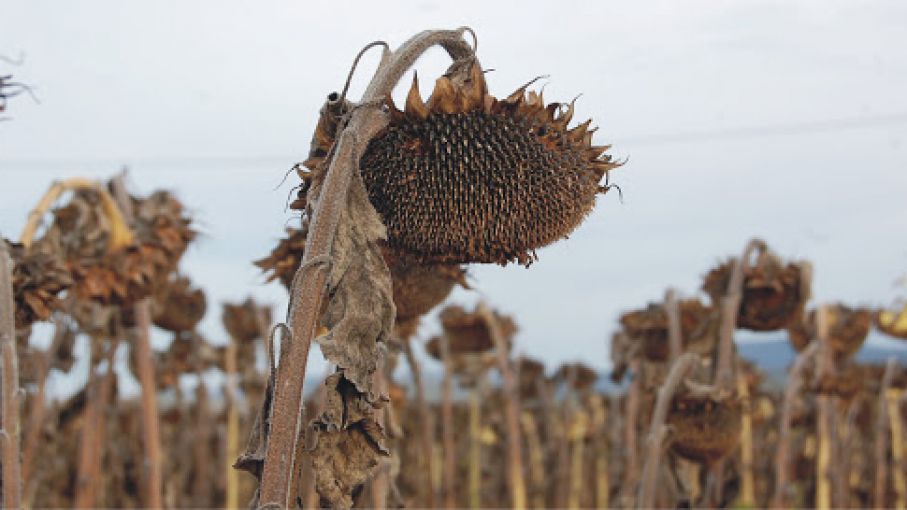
(465, 177)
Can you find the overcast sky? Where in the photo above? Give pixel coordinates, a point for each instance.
(786, 120)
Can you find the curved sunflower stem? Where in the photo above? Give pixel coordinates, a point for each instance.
(658, 431)
(309, 284)
(120, 233)
(9, 387)
(782, 452)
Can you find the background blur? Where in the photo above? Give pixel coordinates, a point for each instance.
(786, 120)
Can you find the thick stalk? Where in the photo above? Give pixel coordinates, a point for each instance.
(826, 419)
(730, 306)
(747, 477)
(536, 459)
(893, 397)
(782, 453)
(426, 426)
(37, 412)
(658, 430)
(880, 489)
(447, 434)
(9, 388)
(151, 436)
(600, 430)
(232, 439)
(631, 461)
(511, 411)
(94, 432)
(475, 448)
(202, 487)
(309, 283)
(578, 430)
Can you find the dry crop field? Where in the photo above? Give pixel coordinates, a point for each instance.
(396, 203)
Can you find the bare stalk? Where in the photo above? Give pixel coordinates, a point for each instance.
(600, 430)
(578, 430)
(893, 397)
(9, 387)
(426, 431)
(675, 335)
(748, 484)
(730, 306)
(882, 438)
(658, 431)
(447, 435)
(512, 410)
(201, 446)
(36, 414)
(232, 439)
(94, 428)
(782, 453)
(631, 462)
(309, 284)
(826, 418)
(536, 459)
(475, 448)
(151, 436)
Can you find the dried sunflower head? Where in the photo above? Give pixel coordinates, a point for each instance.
(649, 327)
(470, 344)
(848, 329)
(177, 306)
(244, 321)
(122, 275)
(704, 430)
(466, 177)
(774, 294)
(578, 375)
(892, 322)
(39, 276)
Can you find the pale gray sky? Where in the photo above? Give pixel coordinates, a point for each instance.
(782, 119)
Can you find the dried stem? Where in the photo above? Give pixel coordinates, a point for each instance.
(151, 436)
(475, 447)
(631, 463)
(748, 484)
(120, 234)
(882, 438)
(37, 412)
(578, 429)
(9, 388)
(658, 431)
(675, 335)
(826, 419)
(232, 439)
(426, 426)
(536, 459)
(94, 430)
(512, 410)
(893, 398)
(782, 453)
(309, 284)
(730, 307)
(602, 476)
(447, 423)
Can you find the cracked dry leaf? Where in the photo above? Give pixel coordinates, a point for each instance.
(348, 442)
(360, 310)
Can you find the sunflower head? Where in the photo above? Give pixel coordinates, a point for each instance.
(466, 177)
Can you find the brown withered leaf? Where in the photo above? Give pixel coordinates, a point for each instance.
(348, 442)
(360, 311)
